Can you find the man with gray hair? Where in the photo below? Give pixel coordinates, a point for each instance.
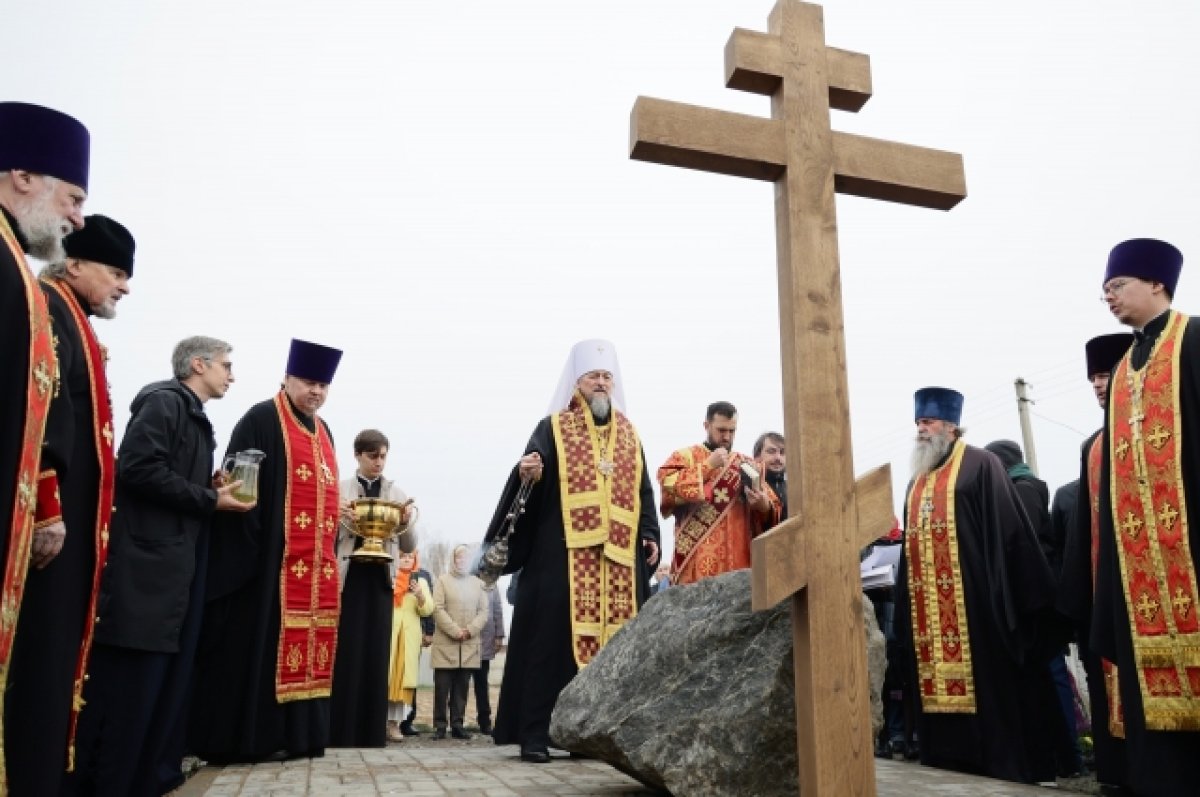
(75, 495)
(974, 593)
(585, 544)
(131, 732)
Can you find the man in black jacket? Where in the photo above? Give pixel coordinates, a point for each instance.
(131, 732)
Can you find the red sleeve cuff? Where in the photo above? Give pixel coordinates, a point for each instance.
(49, 507)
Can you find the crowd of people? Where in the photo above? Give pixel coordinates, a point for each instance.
(154, 604)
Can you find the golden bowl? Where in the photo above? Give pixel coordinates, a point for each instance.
(375, 520)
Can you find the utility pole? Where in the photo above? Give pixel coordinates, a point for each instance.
(1023, 402)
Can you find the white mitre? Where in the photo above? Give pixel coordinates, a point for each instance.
(587, 356)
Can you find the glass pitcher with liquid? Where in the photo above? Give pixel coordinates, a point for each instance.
(243, 467)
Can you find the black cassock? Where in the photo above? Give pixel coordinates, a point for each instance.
(358, 705)
(14, 365)
(540, 660)
(235, 716)
(1075, 602)
(50, 628)
(1008, 591)
(1159, 762)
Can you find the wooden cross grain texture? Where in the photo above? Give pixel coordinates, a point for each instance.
(811, 558)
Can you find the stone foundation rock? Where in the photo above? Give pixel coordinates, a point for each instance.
(696, 695)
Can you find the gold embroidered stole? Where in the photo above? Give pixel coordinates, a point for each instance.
(600, 520)
(938, 610)
(698, 520)
(1116, 715)
(102, 433)
(39, 379)
(309, 596)
(1150, 521)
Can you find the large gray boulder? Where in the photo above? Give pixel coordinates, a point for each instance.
(696, 695)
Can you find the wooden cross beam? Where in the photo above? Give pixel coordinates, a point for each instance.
(813, 557)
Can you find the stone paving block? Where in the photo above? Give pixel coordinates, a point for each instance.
(487, 771)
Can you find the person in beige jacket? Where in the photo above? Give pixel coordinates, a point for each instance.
(460, 608)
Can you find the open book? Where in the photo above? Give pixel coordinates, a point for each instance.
(879, 568)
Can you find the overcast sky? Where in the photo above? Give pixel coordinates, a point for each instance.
(443, 190)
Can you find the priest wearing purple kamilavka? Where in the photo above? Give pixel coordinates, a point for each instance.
(44, 158)
(264, 668)
(1146, 617)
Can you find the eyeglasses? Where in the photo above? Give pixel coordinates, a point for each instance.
(1113, 288)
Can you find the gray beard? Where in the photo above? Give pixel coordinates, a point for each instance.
(928, 453)
(43, 228)
(600, 406)
(107, 310)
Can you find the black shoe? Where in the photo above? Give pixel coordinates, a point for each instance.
(407, 729)
(485, 727)
(459, 733)
(440, 733)
(534, 754)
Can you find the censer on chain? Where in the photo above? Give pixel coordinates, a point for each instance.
(495, 553)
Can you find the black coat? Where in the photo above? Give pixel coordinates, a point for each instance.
(164, 503)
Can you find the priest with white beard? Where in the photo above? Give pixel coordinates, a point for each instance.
(977, 592)
(585, 544)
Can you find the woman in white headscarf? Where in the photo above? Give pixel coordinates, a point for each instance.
(460, 608)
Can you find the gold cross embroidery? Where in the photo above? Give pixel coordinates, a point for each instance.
(299, 568)
(327, 571)
(1132, 525)
(605, 467)
(720, 495)
(25, 493)
(294, 658)
(1147, 607)
(326, 472)
(1159, 437)
(323, 655)
(945, 582)
(1182, 603)
(108, 433)
(42, 376)
(1122, 448)
(939, 527)
(950, 639)
(588, 598)
(621, 602)
(304, 472)
(1168, 515)
(303, 520)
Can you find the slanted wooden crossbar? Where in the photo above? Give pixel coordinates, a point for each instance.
(811, 558)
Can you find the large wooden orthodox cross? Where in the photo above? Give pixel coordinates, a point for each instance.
(813, 556)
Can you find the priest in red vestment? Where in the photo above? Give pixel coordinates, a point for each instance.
(43, 184)
(974, 601)
(720, 500)
(264, 666)
(1144, 618)
(1077, 527)
(75, 496)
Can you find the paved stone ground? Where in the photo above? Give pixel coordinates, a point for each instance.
(478, 768)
